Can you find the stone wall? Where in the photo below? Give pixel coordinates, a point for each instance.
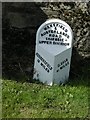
(77, 16)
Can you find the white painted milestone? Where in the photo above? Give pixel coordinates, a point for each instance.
(53, 52)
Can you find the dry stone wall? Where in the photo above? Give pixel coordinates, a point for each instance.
(77, 15)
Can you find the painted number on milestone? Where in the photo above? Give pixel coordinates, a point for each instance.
(54, 34)
(45, 65)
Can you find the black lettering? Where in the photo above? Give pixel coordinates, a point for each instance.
(48, 65)
(40, 57)
(57, 24)
(52, 38)
(46, 32)
(61, 26)
(68, 63)
(50, 25)
(68, 44)
(66, 59)
(53, 35)
(49, 35)
(54, 24)
(60, 67)
(54, 31)
(57, 71)
(60, 36)
(61, 43)
(41, 64)
(55, 39)
(61, 63)
(48, 70)
(37, 55)
(45, 28)
(58, 39)
(66, 30)
(51, 31)
(50, 42)
(60, 32)
(48, 38)
(54, 43)
(64, 34)
(63, 66)
(40, 42)
(41, 34)
(55, 28)
(44, 61)
(62, 39)
(45, 42)
(56, 35)
(68, 36)
(38, 60)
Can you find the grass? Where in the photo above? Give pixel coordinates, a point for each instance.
(32, 100)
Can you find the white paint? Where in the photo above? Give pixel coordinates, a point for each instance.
(52, 58)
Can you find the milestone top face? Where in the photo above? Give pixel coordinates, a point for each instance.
(54, 35)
